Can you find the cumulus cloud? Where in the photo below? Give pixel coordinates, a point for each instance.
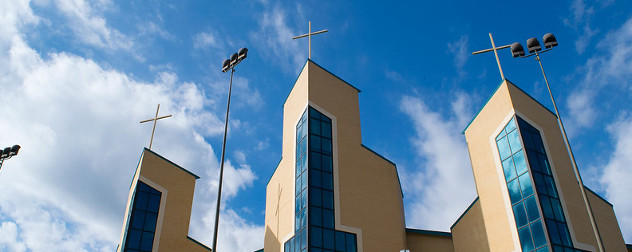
(610, 68)
(275, 38)
(89, 26)
(606, 86)
(442, 185)
(459, 51)
(580, 21)
(78, 125)
(206, 39)
(617, 173)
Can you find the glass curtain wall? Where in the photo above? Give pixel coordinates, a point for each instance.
(523, 157)
(142, 224)
(314, 191)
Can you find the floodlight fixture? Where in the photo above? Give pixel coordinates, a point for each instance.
(533, 45)
(228, 64)
(5, 153)
(549, 41)
(233, 59)
(14, 150)
(8, 153)
(243, 53)
(517, 50)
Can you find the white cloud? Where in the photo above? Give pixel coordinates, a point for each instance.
(610, 68)
(275, 38)
(617, 173)
(580, 21)
(443, 185)
(206, 39)
(605, 86)
(78, 125)
(459, 50)
(90, 27)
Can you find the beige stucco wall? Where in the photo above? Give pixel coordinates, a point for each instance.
(607, 223)
(567, 185)
(176, 187)
(418, 242)
(493, 198)
(368, 199)
(491, 187)
(469, 234)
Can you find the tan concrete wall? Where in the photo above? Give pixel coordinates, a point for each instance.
(279, 216)
(469, 234)
(490, 184)
(427, 242)
(368, 199)
(368, 195)
(567, 186)
(607, 223)
(176, 187)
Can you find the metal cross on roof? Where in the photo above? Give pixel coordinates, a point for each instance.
(495, 49)
(309, 36)
(155, 119)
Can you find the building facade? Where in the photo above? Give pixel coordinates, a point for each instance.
(158, 208)
(329, 192)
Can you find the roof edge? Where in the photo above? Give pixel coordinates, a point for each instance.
(199, 243)
(496, 90)
(391, 162)
(480, 110)
(465, 212)
(309, 60)
(598, 196)
(174, 164)
(428, 232)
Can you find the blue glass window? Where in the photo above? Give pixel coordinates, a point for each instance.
(520, 188)
(529, 178)
(314, 189)
(552, 210)
(144, 215)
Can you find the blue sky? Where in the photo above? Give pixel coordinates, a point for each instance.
(77, 76)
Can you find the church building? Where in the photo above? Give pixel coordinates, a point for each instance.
(331, 193)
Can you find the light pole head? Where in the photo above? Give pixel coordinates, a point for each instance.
(242, 54)
(5, 153)
(549, 41)
(517, 50)
(533, 45)
(233, 59)
(225, 65)
(14, 150)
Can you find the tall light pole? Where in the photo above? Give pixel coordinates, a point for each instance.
(8, 153)
(228, 64)
(535, 49)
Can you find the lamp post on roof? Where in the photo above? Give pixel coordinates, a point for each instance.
(535, 49)
(228, 64)
(8, 153)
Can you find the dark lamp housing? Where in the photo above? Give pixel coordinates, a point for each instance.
(14, 150)
(533, 45)
(233, 59)
(517, 50)
(549, 40)
(225, 65)
(243, 53)
(6, 152)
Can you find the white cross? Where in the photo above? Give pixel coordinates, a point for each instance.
(155, 119)
(309, 36)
